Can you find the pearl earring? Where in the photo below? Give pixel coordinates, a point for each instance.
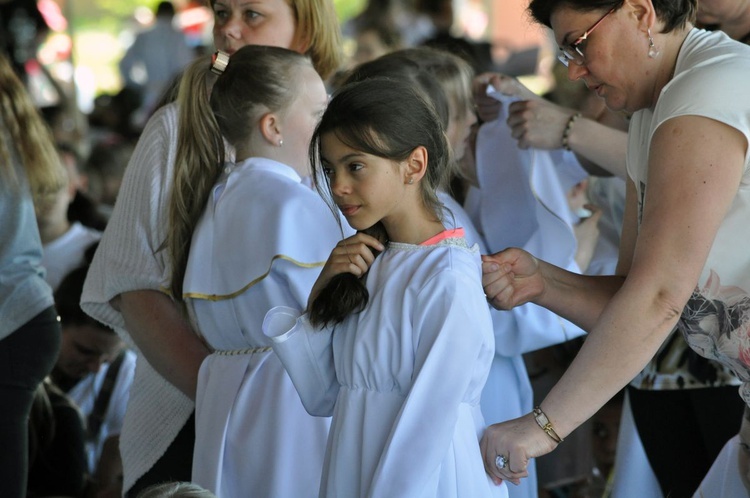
(411, 181)
(653, 52)
(281, 142)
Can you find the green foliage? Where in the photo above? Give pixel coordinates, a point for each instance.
(106, 15)
(346, 9)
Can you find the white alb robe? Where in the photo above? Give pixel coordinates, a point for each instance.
(402, 379)
(261, 242)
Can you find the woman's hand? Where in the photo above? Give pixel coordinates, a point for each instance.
(488, 108)
(538, 123)
(507, 448)
(510, 278)
(352, 255)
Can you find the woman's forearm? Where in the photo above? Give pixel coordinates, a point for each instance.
(603, 145)
(164, 337)
(629, 333)
(575, 297)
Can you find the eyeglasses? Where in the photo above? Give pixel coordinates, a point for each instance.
(573, 51)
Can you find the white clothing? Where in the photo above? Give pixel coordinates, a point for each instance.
(66, 253)
(507, 393)
(710, 69)
(128, 259)
(723, 478)
(522, 202)
(84, 395)
(633, 475)
(402, 378)
(261, 242)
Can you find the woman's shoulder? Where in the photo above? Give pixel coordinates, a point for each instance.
(710, 70)
(710, 58)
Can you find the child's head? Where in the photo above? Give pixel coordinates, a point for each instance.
(375, 38)
(401, 66)
(265, 96)
(383, 119)
(455, 76)
(444, 77)
(86, 343)
(265, 102)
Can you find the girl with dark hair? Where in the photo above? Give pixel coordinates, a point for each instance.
(245, 236)
(396, 347)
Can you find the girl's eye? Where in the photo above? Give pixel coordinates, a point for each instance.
(221, 14)
(745, 447)
(328, 172)
(356, 166)
(251, 14)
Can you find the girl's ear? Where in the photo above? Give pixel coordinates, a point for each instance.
(416, 165)
(270, 128)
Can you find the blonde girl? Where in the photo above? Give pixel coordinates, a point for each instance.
(127, 287)
(245, 236)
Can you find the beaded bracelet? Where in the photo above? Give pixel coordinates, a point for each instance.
(568, 127)
(546, 425)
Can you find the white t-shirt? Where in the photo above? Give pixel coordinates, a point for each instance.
(711, 80)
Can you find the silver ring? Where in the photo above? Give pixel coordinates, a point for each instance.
(501, 462)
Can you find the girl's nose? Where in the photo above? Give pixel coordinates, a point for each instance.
(339, 186)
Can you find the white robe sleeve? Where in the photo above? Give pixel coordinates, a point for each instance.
(452, 332)
(307, 355)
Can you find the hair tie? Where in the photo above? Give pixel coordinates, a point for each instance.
(219, 62)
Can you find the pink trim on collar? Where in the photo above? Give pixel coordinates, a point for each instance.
(445, 234)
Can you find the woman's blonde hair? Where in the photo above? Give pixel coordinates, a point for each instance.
(318, 25)
(257, 80)
(319, 29)
(26, 139)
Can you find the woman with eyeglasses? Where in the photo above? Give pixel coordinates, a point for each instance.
(682, 257)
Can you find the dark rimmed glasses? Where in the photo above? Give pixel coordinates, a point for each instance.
(573, 51)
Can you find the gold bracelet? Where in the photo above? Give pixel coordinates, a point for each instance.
(546, 425)
(566, 131)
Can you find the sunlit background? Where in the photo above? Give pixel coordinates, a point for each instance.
(89, 37)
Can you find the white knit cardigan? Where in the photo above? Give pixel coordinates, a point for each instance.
(129, 259)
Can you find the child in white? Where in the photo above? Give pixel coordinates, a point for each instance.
(260, 242)
(401, 369)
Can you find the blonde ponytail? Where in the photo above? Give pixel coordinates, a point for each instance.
(198, 163)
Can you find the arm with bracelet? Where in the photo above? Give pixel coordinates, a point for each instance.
(598, 138)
